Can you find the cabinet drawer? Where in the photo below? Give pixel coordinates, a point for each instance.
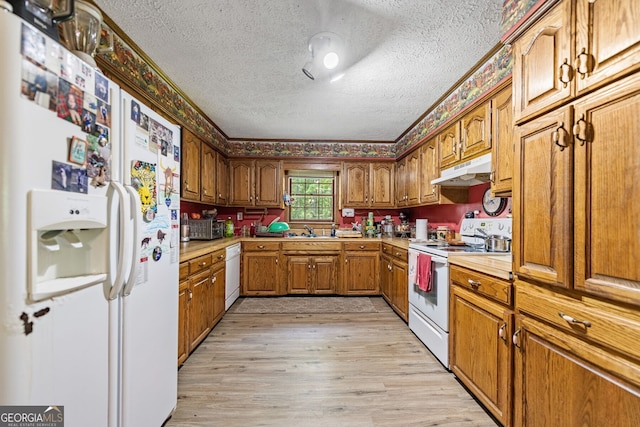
(261, 246)
(592, 320)
(199, 264)
(311, 246)
(396, 252)
(361, 246)
(184, 270)
(219, 256)
(489, 286)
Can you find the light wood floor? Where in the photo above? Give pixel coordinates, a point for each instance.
(360, 369)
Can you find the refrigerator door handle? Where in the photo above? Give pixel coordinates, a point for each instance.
(136, 220)
(124, 250)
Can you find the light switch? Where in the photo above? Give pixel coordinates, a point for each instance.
(239, 216)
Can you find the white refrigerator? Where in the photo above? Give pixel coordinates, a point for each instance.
(89, 240)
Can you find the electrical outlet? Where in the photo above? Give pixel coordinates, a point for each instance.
(239, 216)
(348, 212)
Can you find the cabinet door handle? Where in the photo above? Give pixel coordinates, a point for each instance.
(190, 294)
(501, 332)
(276, 260)
(346, 261)
(559, 136)
(580, 130)
(515, 339)
(574, 321)
(474, 283)
(389, 267)
(583, 63)
(309, 267)
(566, 73)
(213, 279)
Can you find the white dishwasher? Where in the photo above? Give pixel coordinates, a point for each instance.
(232, 276)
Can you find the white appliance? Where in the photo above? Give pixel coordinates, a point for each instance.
(88, 288)
(232, 275)
(429, 311)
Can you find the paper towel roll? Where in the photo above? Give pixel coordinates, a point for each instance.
(421, 229)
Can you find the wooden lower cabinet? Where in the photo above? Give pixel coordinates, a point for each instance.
(480, 349)
(261, 269)
(577, 360)
(360, 268)
(200, 300)
(312, 275)
(394, 274)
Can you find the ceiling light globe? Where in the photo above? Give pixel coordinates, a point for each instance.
(331, 60)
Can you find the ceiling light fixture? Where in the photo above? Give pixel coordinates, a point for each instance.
(325, 48)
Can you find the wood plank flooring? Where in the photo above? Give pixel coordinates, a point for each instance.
(355, 370)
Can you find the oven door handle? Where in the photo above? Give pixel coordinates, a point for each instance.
(435, 259)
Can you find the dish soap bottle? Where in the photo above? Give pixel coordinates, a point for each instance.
(228, 228)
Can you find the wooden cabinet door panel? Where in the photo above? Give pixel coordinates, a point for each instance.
(475, 128)
(325, 274)
(190, 188)
(222, 180)
(361, 271)
(218, 281)
(448, 145)
(381, 183)
(183, 321)
(562, 381)
(400, 290)
(298, 274)
(199, 308)
(401, 183)
(386, 273)
(208, 174)
(542, 200)
(502, 145)
(411, 180)
(607, 202)
(260, 273)
(355, 184)
(543, 60)
(268, 183)
(480, 350)
(607, 41)
(241, 186)
(429, 170)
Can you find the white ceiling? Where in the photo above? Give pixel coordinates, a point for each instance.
(240, 61)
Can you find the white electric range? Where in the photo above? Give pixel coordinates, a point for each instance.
(429, 311)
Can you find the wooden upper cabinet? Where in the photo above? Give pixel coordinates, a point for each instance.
(381, 184)
(401, 182)
(268, 185)
(241, 182)
(475, 129)
(255, 183)
(502, 145)
(190, 185)
(368, 184)
(412, 178)
(607, 41)
(543, 57)
(429, 193)
(449, 145)
(543, 200)
(607, 202)
(208, 174)
(355, 184)
(222, 180)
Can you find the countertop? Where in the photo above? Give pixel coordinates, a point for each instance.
(492, 264)
(196, 248)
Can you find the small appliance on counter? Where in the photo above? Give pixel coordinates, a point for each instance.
(206, 229)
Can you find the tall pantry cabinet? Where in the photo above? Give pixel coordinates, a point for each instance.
(576, 244)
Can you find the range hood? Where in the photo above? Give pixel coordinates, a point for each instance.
(475, 171)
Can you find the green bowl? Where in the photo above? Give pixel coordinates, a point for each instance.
(278, 226)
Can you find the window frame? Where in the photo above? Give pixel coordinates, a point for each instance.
(308, 173)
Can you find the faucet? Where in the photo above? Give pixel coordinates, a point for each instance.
(310, 230)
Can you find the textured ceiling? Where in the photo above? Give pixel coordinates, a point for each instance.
(240, 61)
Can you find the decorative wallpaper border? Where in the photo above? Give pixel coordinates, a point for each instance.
(491, 73)
(134, 69)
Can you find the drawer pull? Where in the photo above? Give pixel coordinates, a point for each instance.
(220, 256)
(571, 320)
(501, 332)
(202, 264)
(260, 246)
(361, 246)
(474, 283)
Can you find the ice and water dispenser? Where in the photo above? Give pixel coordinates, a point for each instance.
(68, 242)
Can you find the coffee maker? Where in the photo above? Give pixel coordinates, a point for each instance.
(42, 14)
